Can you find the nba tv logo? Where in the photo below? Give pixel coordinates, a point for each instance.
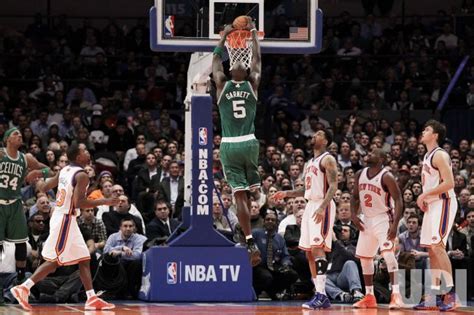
(203, 136)
(172, 272)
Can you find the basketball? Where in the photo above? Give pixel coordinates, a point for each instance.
(241, 22)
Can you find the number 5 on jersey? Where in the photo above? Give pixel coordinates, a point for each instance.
(239, 109)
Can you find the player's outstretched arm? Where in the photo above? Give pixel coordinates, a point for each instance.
(48, 184)
(288, 194)
(218, 74)
(36, 169)
(441, 161)
(80, 198)
(256, 65)
(389, 181)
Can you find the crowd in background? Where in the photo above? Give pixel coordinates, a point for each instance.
(106, 89)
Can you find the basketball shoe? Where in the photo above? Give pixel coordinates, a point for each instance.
(96, 303)
(368, 301)
(429, 302)
(21, 294)
(396, 301)
(318, 301)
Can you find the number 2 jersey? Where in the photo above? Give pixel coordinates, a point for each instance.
(237, 108)
(64, 196)
(12, 175)
(373, 195)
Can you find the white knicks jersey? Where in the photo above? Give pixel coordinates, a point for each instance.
(315, 181)
(374, 199)
(430, 176)
(64, 196)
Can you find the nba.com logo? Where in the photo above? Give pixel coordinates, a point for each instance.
(172, 273)
(203, 136)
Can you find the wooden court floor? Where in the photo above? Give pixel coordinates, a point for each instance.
(259, 308)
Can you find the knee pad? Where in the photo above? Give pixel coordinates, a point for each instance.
(20, 252)
(390, 260)
(321, 266)
(367, 266)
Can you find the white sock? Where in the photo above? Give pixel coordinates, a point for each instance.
(28, 283)
(314, 282)
(90, 293)
(395, 289)
(321, 284)
(369, 289)
(248, 237)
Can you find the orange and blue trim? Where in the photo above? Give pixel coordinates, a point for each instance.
(443, 226)
(63, 234)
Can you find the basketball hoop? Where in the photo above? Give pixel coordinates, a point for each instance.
(239, 46)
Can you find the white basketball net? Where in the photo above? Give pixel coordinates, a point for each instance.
(239, 46)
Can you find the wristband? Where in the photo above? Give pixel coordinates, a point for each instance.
(45, 172)
(218, 51)
(253, 29)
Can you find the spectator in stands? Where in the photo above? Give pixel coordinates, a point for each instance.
(457, 250)
(37, 234)
(410, 209)
(127, 246)
(256, 220)
(274, 274)
(298, 256)
(145, 186)
(94, 226)
(411, 254)
(299, 203)
(343, 278)
(172, 190)
(224, 223)
(112, 219)
(468, 231)
(161, 227)
(132, 154)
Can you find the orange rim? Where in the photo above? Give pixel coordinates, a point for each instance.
(239, 38)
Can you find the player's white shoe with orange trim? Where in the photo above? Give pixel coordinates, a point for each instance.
(21, 294)
(396, 301)
(96, 303)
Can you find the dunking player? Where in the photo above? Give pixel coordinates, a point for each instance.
(374, 188)
(65, 244)
(320, 177)
(237, 101)
(13, 168)
(438, 201)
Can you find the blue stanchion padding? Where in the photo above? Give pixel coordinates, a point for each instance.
(196, 274)
(201, 231)
(199, 264)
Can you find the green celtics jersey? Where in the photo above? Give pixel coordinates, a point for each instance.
(237, 108)
(12, 175)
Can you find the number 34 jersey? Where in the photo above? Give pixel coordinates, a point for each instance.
(12, 175)
(237, 108)
(374, 197)
(64, 196)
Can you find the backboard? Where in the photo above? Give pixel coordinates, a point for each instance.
(290, 26)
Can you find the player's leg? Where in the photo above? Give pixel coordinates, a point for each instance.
(450, 301)
(17, 232)
(22, 291)
(430, 236)
(93, 301)
(366, 249)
